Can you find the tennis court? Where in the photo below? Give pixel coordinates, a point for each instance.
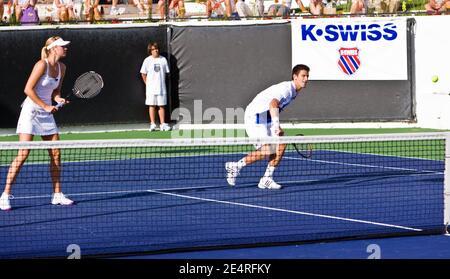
(140, 196)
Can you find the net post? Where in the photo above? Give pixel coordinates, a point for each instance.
(447, 183)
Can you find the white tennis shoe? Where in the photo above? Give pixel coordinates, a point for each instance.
(60, 199)
(113, 11)
(232, 172)
(268, 183)
(4, 201)
(117, 11)
(164, 127)
(152, 127)
(121, 10)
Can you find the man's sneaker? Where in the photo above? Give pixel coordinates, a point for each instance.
(152, 127)
(4, 201)
(121, 10)
(232, 172)
(164, 127)
(59, 198)
(113, 11)
(268, 183)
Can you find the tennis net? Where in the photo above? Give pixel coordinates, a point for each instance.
(136, 196)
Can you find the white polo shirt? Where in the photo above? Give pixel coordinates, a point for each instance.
(258, 109)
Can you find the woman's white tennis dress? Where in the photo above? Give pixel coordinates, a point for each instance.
(33, 119)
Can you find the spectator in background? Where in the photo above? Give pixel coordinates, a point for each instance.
(214, 8)
(1, 10)
(316, 7)
(176, 8)
(437, 6)
(21, 5)
(91, 10)
(284, 9)
(144, 6)
(376, 5)
(243, 9)
(392, 6)
(64, 10)
(114, 9)
(257, 7)
(358, 7)
(153, 71)
(230, 8)
(253, 8)
(383, 6)
(330, 7)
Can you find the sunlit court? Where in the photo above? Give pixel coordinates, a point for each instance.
(224, 129)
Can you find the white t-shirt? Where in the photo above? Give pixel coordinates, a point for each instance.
(284, 92)
(156, 70)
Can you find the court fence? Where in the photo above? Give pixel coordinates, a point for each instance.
(153, 196)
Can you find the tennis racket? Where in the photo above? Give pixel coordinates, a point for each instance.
(305, 150)
(87, 86)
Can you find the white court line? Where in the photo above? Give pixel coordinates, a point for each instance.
(362, 165)
(289, 211)
(236, 203)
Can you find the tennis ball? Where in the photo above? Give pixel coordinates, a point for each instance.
(434, 78)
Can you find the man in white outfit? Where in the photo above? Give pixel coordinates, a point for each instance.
(262, 120)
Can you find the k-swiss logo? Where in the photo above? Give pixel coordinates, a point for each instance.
(349, 60)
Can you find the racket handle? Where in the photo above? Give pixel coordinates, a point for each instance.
(59, 105)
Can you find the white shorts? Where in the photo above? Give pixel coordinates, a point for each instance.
(156, 100)
(34, 120)
(257, 130)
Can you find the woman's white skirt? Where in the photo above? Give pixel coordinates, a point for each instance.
(35, 120)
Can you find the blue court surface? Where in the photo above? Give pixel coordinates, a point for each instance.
(133, 206)
(411, 247)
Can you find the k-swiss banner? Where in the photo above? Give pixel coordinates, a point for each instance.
(351, 48)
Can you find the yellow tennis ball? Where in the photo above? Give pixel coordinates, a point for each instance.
(434, 78)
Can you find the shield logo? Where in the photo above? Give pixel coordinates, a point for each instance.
(349, 60)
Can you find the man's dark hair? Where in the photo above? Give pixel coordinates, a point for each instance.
(298, 68)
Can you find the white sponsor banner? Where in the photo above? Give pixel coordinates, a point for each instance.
(351, 48)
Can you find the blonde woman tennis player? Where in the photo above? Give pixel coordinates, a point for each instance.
(36, 117)
(262, 120)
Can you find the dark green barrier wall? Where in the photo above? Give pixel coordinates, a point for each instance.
(115, 53)
(220, 66)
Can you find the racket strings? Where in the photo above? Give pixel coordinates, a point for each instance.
(88, 86)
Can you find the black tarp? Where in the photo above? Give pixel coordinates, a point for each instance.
(224, 67)
(220, 67)
(116, 53)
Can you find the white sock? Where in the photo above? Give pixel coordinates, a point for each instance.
(241, 163)
(269, 171)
